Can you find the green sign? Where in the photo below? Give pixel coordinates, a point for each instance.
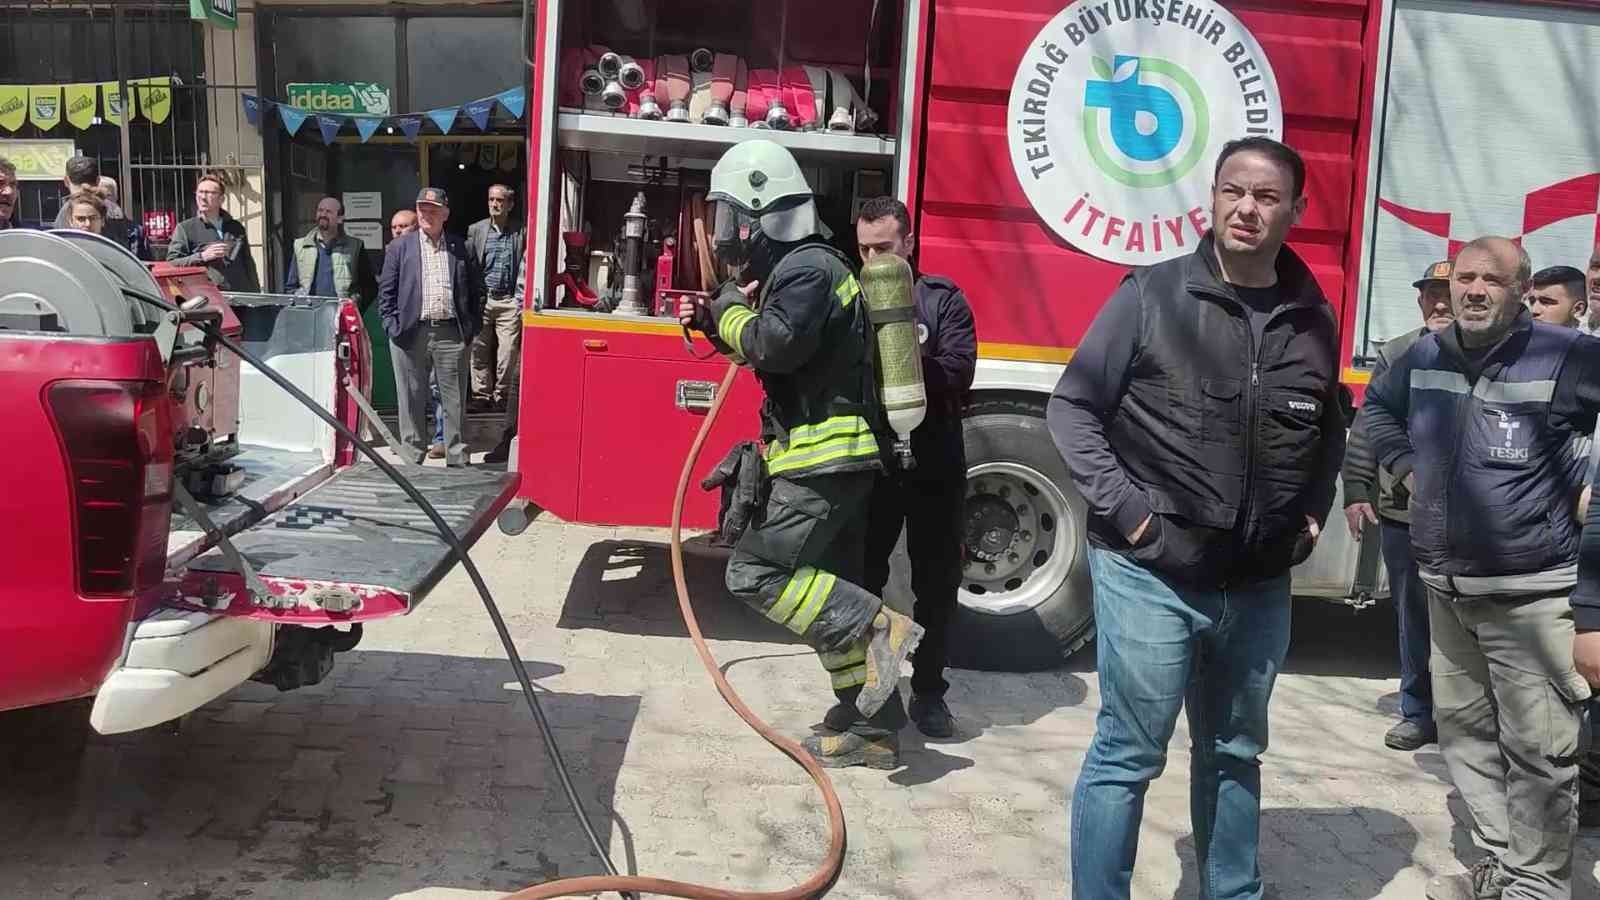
(353, 98)
(221, 13)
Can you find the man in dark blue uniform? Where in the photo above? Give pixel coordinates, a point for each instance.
(927, 501)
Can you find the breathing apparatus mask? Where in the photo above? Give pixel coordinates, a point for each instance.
(750, 244)
(763, 207)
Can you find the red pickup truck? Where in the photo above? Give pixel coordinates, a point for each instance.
(174, 523)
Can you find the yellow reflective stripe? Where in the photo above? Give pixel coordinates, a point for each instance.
(812, 605)
(847, 291)
(864, 445)
(792, 592)
(840, 659)
(731, 328)
(800, 435)
(855, 676)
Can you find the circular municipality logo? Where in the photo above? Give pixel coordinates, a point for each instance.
(1119, 109)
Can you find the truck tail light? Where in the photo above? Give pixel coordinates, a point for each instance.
(116, 440)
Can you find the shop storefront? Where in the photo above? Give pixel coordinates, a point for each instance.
(136, 84)
(369, 102)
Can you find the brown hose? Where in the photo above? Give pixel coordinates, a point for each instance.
(833, 863)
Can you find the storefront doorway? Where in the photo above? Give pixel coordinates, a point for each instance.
(393, 61)
(466, 167)
(382, 176)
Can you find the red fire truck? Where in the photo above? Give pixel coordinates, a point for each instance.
(1043, 148)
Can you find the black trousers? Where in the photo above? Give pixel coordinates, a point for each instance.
(929, 504)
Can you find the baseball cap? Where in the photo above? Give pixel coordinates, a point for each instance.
(1439, 271)
(434, 195)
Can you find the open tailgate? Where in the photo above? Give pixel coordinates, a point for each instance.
(350, 550)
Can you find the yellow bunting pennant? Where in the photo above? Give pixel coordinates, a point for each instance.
(155, 97)
(110, 92)
(13, 107)
(44, 106)
(82, 104)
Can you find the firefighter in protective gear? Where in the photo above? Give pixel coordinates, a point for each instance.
(800, 324)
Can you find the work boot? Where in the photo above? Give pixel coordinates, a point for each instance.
(1407, 735)
(1483, 881)
(838, 751)
(499, 453)
(932, 716)
(890, 639)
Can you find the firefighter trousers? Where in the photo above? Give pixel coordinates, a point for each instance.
(800, 564)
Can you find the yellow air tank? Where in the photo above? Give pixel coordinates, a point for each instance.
(886, 281)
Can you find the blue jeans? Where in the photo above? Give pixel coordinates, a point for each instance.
(1163, 647)
(1411, 604)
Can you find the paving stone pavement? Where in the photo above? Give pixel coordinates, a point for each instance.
(414, 771)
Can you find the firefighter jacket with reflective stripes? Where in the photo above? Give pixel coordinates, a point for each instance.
(1488, 439)
(809, 345)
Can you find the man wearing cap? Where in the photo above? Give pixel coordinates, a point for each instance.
(431, 300)
(1372, 497)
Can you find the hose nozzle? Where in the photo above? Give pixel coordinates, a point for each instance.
(591, 82)
(613, 96)
(702, 60)
(609, 64)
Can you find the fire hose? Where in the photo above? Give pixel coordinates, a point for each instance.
(833, 862)
(626, 885)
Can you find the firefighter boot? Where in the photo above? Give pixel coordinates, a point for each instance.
(890, 639)
(838, 751)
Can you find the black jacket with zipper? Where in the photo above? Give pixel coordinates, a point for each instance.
(949, 343)
(1170, 408)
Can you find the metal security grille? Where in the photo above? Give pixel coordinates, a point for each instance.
(80, 41)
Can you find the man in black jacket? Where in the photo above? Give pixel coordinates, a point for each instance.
(1201, 422)
(926, 501)
(215, 240)
(1370, 498)
(1478, 422)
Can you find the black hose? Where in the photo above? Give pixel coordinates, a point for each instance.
(450, 537)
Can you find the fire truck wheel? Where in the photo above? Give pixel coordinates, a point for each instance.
(1025, 602)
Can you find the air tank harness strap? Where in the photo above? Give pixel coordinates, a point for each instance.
(886, 316)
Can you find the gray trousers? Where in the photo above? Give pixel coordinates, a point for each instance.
(1508, 704)
(439, 350)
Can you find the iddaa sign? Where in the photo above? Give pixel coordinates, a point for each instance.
(354, 98)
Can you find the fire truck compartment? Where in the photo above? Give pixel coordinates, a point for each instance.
(352, 549)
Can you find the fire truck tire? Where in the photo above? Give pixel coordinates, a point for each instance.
(1025, 603)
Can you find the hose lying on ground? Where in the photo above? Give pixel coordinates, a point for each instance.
(833, 862)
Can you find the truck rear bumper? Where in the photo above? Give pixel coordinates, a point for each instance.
(176, 662)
